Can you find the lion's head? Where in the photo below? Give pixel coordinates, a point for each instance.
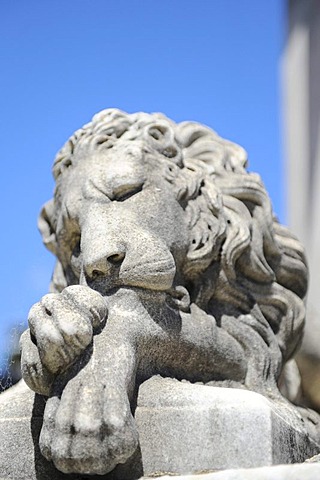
(146, 202)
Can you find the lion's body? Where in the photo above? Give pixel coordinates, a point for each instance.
(202, 282)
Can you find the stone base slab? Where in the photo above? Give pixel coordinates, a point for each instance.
(183, 428)
(280, 472)
(188, 428)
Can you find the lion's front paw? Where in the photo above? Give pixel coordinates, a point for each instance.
(90, 429)
(61, 328)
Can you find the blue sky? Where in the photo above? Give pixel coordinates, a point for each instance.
(213, 61)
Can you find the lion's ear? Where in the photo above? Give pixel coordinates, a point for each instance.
(45, 225)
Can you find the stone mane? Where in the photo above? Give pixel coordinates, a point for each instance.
(248, 258)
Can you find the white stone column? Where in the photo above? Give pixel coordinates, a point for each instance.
(301, 101)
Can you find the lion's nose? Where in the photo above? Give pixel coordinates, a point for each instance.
(101, 266)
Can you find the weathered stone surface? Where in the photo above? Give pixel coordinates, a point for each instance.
(20, 424)
(281, 472)
(169, 262)
(182, 427)
(314, 459)
(185, 428)
(21, 417)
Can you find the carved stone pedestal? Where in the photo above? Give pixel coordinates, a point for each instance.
(183, 428)
(186, 428)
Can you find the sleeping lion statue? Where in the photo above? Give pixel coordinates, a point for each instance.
(170, 262)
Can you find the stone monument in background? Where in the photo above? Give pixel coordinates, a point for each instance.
(175, 308)
(301, 74)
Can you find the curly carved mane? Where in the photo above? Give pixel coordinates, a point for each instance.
(240, 259)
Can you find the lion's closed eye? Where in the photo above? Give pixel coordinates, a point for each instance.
(126, 191)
